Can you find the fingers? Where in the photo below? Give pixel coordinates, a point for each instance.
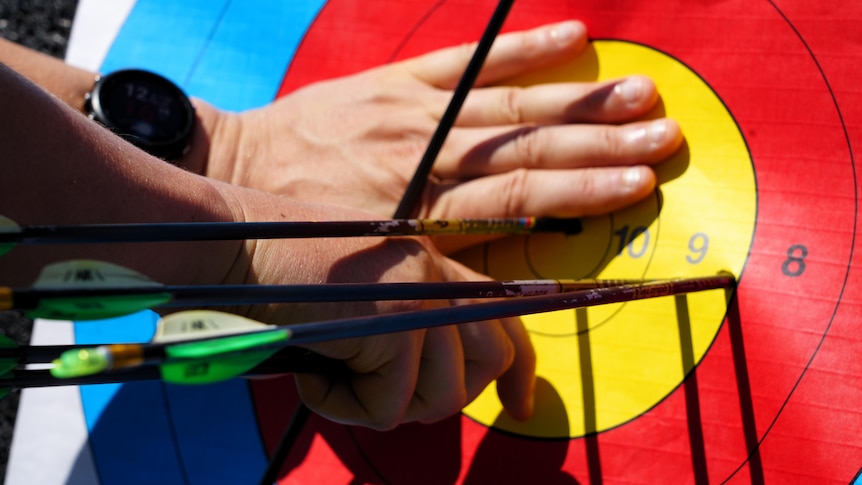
(510, 128)
(385, 371)
(421, 376)
(540, 193)
(459, 362)
(606, 102)
(425, 375)
(511, 54)
(484, 151)
(501, 350)
(551, 193)
(440, 389)
(488, 352)
(516, 387)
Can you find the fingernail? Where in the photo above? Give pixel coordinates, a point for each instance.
(654, 133)
(531, 406)
(657, 130)
(565, 33)
(633, 177)
(630, 90)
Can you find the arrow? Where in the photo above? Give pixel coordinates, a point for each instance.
(88, 290)
(11, 233)
(205, 360)
(84, 290)
(79, 290)
(289, 360)
(245, 344)
(198, 360)
(232, 345)
(471, 72)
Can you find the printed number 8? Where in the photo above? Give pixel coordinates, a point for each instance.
(794, 265)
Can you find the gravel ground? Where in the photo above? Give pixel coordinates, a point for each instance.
(43, 25)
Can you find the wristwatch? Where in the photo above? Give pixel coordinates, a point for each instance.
(144, 108)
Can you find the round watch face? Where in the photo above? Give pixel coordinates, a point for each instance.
(146, 109)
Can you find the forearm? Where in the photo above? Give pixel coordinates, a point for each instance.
(71, 84)
(66, 82)
(61, 168)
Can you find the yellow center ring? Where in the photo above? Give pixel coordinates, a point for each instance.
(601, 367)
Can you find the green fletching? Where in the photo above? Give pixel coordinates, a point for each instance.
(234, 343)
(7, 343)
(95, 308)
(207, 364)
(7, 390)
(7, 365)
(79, 362)
(6, 247)
(90, 274)
(208, 371)
(7, 226)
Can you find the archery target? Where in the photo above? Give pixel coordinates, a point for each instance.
(742, 197)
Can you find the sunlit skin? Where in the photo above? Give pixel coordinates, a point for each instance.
(560, 149)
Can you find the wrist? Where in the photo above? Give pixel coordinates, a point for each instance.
(215, 142)
(74, 87)
(195, 160)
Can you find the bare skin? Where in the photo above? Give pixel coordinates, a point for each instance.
(345, 149)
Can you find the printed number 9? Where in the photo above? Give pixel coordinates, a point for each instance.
(698, 245)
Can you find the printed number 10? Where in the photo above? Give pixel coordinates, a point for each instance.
(698, 244)
(628, 239)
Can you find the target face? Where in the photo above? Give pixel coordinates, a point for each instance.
(685, 387)
(760, 387)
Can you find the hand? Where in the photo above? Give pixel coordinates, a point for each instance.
(568, 149)
(423, 375)
(409, 376)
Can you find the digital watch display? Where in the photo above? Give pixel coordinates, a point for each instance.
(144, 108)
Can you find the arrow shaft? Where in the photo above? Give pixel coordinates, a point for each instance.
(399, 322)
(316, 332)
(294, 359)
(209, 231)
(208, 295)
